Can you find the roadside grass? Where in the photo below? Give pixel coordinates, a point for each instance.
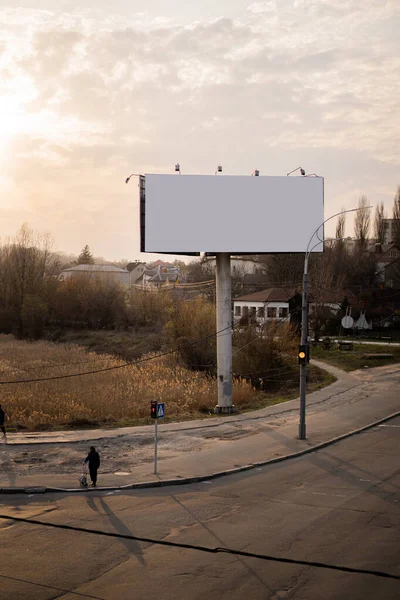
(118, 397)
(350, 360)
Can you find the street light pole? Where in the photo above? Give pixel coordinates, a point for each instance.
(304, 323)
(304, 341)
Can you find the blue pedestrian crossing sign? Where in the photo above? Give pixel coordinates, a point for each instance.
(160, 409)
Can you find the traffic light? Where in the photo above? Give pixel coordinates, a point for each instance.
(153, 409)
(302, 355)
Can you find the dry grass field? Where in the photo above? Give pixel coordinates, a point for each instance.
(119, 396)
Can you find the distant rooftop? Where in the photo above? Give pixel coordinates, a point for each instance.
(284, 294)
(275, 294)
(97, 269)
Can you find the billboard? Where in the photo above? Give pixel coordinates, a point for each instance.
(188, 214)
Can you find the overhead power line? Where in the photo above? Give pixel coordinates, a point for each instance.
(216, 550)
(126, 364)
(115, 367)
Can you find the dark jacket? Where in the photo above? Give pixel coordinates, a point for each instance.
(93, 459)
(1, 416)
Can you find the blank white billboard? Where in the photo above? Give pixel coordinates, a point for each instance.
(236, 214)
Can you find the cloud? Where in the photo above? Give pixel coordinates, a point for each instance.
(92, 97)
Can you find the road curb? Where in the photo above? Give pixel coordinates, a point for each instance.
(188, 480)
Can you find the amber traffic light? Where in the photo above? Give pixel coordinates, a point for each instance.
(302, 355)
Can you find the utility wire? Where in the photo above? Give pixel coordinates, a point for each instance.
(115, 367)
(55, 365)
(125, 364)
(216, 550)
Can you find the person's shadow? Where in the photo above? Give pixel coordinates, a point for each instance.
(132, 545)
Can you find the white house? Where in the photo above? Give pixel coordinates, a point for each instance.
(136, 270)
(240, 265)
(273, 303)
(269, 304)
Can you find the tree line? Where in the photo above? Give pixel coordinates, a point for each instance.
(32, 297)
(340, 267)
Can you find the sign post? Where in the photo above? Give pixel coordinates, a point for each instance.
(155, 445)
(157, 410)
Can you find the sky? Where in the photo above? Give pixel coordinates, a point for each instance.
(92, 91)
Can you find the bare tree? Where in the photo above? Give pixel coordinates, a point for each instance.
(27, 264)
(340, 227)
(362, 223)
(379, 222)
(396, 218)
(285, 269)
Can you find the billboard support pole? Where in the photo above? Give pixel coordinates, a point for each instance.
(224, 333)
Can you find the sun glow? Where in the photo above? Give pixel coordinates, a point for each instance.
(15, 117)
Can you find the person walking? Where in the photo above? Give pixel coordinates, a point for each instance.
(93, 458)
(2, 419)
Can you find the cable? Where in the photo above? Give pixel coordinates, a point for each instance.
(139, 361)
(289, 561)
(126, 364)
(55, 366)
(268, 372)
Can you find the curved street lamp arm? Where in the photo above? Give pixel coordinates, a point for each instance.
(342, 212)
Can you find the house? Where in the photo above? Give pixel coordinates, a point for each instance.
(240, 265)
(269, 304)
(136, 270)
(350, 244)
(160, 274)
(387, 256)
(390, 227)
(274, 303)
(99, 272)
(381, 304)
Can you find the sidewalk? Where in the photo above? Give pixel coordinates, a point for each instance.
(203, 448)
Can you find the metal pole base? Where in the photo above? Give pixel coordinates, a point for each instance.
(302, 431)
(224, 410)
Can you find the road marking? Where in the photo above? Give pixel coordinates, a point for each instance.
(389, 426)
(325, 494)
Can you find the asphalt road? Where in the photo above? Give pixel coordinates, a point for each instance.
(340, 506)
